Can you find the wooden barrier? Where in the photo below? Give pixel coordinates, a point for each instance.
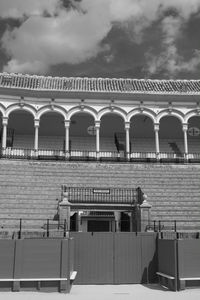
(167, 264)
(44, 264)
(178, 263)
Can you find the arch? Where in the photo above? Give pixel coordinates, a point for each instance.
(166, 113)
(48, 108)
(113, 109)
(85, 109)
(2, 110)
(25, 107)
(190, 114)
(145, 111)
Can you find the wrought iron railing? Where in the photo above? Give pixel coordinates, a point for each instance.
(87, 155)
(173, 225)
(24, 227)
(15, 228)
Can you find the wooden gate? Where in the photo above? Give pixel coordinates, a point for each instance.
(115, 258)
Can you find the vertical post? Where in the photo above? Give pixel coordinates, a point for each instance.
(185, 129)
(97, 127)
(174, 225)
(65, 226)
(64, 210)
(20, 228)
(154, 226)
(117, 221)
(79, 222)
(127, 129)
(47, 227)
(67, 125)
(36, 125)
(4, 137)
(156, 131)
(145, 213)
(159, 225)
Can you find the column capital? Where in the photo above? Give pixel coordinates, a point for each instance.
(67, 123)
(5, 121)
(36, 122)
(97, 124)
(127, 124)
(156, 126)
(185, 126)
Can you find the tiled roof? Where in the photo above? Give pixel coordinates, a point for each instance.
(108, 85)
(91, 195)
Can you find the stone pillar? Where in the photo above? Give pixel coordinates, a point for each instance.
(67, 125)
(117, 220)
(64, 210)
(145, 213)
(156, 130)
(97, 127)
(127, 129)
(79, 222)
(4, 137)
(185, 129)
(36, 125)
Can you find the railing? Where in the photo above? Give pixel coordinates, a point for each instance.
(173, 226)
(21, 228)
(87, 155)
(103, 195)
(15, 228)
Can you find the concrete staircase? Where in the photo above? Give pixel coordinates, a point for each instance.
(31, 189)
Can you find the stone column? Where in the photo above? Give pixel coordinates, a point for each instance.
(156, 130)
(79, 222)
(4, 136)
(145, 213)
(127, 129)
(97, 127)
(117, 220)
(67, 125)
(64, 210)
(36, 125)
(185, 129)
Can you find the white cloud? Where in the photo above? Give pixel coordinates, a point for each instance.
(18, 8)
(74, 36)
(169, 60)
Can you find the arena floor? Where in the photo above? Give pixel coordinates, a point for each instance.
(109, 292)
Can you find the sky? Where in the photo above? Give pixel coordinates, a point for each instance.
(156, 39)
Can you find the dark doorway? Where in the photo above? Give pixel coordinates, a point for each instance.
(98, 226)
(125, 222)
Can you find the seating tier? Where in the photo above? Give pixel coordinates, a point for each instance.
(31, 189)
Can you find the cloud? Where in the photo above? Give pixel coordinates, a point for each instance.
(169, 60)
(19, 8)
(51, 34)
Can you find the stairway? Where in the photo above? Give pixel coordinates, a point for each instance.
(31, 189)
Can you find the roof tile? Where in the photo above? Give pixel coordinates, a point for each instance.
(121, 85)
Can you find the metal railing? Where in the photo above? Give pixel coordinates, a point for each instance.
(87, 155)
(173, 225)
(32, 228)
(15, 228)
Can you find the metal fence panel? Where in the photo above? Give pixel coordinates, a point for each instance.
(149, 257)
(189, 258)
(114, 258)
(7, 252)
(127, 258)
(167, 257)
(93, 257)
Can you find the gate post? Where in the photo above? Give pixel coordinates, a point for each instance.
(145, 213)
(64, 209)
